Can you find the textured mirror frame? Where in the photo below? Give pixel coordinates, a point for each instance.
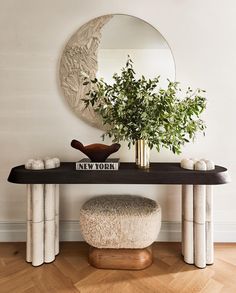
(80, 56)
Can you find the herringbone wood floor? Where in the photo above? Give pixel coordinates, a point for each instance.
(71, 272)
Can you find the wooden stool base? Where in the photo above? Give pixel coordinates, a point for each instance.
(120, 259)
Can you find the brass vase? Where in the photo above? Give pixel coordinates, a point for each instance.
(142, 154)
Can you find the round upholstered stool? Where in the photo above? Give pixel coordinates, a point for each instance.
(120, 230)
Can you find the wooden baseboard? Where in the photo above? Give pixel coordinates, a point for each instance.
(120, 259)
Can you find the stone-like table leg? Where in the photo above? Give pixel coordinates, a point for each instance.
(49, 230)
(42, 216)
(199, 226)
(199, 212)
(197, 207)
(57, 201)
(209, 219)
(29, 224)
(37, 218)
(209, 226)
(57, 205)
(28, 165)
(187, 216)
(187, 197)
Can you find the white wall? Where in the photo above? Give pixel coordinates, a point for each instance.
(35, 120)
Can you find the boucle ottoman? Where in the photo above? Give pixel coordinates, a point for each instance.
(117, 226)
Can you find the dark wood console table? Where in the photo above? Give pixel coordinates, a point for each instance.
(197, 203)
(128, 173)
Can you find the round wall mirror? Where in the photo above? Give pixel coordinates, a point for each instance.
(101, 47)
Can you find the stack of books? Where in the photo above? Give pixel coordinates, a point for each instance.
(108, 165)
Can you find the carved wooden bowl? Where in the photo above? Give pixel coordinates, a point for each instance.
(96, 152)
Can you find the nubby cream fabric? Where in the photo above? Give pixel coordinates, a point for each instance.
(120, 221)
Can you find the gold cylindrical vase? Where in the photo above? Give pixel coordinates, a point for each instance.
(142, 154)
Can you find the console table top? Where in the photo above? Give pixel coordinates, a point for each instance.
(128, 173)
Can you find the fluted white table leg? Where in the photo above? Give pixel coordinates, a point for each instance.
(187, 191)
(37, 218)
(209, 219)
(209, 226)
(57, 206)
(49, 231)
(203, 245)
(187, 216)
(182, 221)
(28, 165)
(42, 216)
(29, 225)
(199, 201)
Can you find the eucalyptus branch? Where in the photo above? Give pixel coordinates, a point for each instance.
(135, 109)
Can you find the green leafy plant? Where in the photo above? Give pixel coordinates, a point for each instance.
(135, 109)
